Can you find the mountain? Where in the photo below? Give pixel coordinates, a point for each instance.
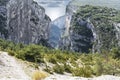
(83, 28)
(23, 21)
(91, 27)
(57, 28)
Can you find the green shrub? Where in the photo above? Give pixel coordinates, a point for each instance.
(59, 69)
(85, 71)
(32, 53)
(11, 52)
(48, 69)
(112, 67)
(51, 58)
(68, 68)
(116, 53)
(98, 68)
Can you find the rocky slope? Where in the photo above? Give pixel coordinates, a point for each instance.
(91, 27)
(23, 21)
(63, 77)
(10, 69)
(14, 69)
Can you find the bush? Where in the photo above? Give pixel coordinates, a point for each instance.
(51, 58)
(32, 53)
(38, 75)
(98, 68)
(116, 53)
(11, 52)
(48, 70)
(85, 71)
(112, 67)
(59, 69)
(68, 68)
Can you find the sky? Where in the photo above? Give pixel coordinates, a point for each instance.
(54, 8)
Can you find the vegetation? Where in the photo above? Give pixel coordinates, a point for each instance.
(38, 75)
(85, 65)
(78, 64)
(103, 20)
(107, 61)
(59, 69)
(84, 71)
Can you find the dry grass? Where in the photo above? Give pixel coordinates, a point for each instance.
(39, 75)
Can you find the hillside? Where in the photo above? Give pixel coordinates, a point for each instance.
(62, 62)
(91, 28)
(23, 70)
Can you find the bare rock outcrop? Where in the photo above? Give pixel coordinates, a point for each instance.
(23, 21)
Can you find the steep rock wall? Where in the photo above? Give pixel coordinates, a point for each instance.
(26, 22)
(92, 28)
(3, 19)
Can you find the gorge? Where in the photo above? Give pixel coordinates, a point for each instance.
(85, 28)
(78, 28)
(59, 39)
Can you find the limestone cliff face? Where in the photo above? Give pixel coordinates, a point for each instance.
(91, 28)
(26, 22)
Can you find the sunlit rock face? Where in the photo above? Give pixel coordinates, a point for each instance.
(26, 22)
(117, 27)
(91, 28)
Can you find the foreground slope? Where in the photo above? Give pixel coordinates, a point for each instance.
(10, 69)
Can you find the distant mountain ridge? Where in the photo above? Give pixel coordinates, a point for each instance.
(82, 29)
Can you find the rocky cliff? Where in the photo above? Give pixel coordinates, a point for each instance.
(3, 18)
(23, 21)
(57, 28)
(91, 28)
